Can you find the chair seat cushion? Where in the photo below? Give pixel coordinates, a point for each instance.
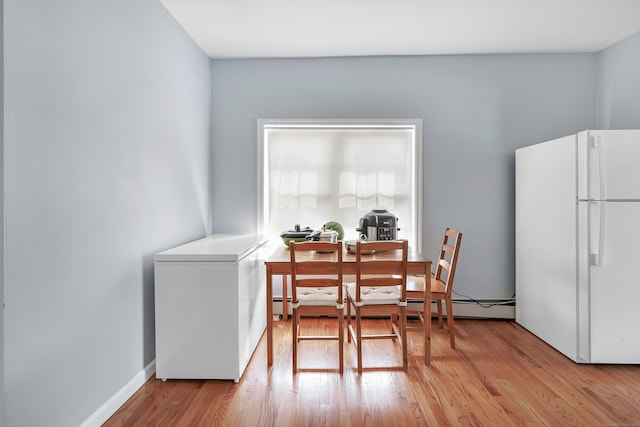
(374, 295)
(318, 296)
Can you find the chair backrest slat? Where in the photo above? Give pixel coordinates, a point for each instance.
(316, 265)
(448, 259)
(381, 281)
(375, 268)
(316, 283)
(381, 267)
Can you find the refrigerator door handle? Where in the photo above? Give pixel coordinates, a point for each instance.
(597, 168)
(595, 257)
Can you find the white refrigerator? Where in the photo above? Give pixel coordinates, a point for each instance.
(578, 244)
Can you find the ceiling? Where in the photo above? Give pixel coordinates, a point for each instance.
(321, 28)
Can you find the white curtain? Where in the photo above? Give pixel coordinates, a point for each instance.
(318, 174)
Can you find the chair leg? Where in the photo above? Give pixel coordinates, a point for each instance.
(341, 339)
(439, 305)
(294, 348)
(359, 339)
(452, 338)
(393, 320)
(348, 321)
(403, 329)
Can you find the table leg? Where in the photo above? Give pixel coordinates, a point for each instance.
(269, 315)
(427, 315)
(285, 298)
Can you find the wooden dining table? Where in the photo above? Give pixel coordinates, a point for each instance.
(279, 264)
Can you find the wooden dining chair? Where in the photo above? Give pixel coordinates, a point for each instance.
(379, 289)
(441, 283)
(316, 289)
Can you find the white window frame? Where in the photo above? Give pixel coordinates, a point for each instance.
(415, 125)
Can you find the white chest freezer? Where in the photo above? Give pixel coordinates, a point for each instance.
(210, 307)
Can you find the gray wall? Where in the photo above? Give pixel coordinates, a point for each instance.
(107, 146)
(476, 110)
(106, 162)
(619, 85)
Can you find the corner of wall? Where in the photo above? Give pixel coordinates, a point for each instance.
(617, 91)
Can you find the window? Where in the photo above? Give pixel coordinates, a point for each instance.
(313, 172)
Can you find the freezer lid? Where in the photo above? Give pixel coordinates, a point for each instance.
(215, 248)
(609, 165)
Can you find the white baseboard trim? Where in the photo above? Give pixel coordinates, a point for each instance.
(477, 311)
(117, 400)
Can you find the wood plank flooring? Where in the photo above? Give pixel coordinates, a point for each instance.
(499, 375)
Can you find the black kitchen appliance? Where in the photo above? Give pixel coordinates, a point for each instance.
(379, 224)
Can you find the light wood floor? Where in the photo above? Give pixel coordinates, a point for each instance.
(499, 375)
